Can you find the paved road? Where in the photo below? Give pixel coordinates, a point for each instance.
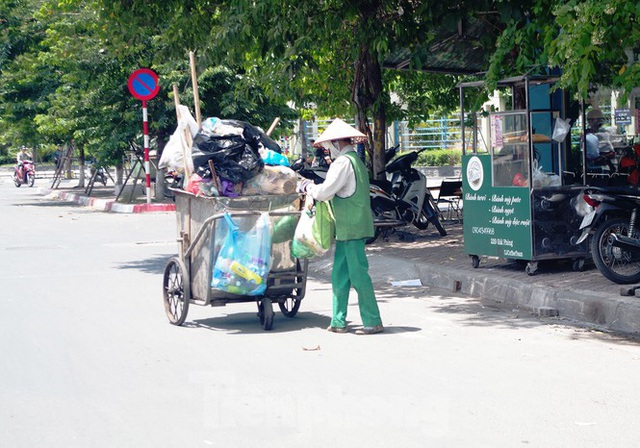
(88, 358)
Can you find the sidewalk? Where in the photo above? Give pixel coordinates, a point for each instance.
(432, 261)
(103, 198)
(554, 292)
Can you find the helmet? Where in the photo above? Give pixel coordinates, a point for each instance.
(594, 114)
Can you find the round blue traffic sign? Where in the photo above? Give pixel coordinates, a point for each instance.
(143, 84)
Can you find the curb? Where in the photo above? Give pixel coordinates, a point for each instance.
(610, 312)
(106, 205)
(603, 311)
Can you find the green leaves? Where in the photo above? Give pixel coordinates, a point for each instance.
(585, 38)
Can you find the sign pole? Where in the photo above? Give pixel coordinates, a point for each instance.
(143, 85)
(145, 133)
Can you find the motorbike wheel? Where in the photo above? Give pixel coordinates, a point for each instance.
(17, 181)
(619, 264)
(31, 179)
(432, 216)
(376, 234)
(379, 212)
(422, 221)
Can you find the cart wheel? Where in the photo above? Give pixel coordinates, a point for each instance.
(531, 268)
(475, 261)
(578, 264)
(265, 313)
(176, 291)
(290, 306)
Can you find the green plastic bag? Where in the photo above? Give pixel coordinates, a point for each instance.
(324, 224)
(304, 244)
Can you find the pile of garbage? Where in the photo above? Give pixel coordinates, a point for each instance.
(226, 158)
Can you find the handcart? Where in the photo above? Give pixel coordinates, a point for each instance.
(188, 277)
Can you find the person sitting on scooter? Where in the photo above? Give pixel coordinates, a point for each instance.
(599, 149)
(321, 158)
(346, 187)
(23, 155)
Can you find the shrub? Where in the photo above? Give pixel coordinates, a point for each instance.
(440, 157)
(7, 160)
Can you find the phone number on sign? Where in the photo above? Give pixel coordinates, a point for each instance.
(483, 230)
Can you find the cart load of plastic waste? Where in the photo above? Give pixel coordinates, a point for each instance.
(244, 257)
(227, 158)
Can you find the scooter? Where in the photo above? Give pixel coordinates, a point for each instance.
(24, 174)
(405, 195)
(404, 199)
(612, 225)
(172, 180)
(384, 222)
(98, 174)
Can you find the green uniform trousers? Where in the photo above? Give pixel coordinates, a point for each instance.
(351, 267)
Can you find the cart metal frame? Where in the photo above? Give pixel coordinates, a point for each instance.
(187, 277)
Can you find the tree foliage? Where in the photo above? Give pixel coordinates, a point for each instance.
(326, 54)
(590, 41)
(64, 63)
(65, 66)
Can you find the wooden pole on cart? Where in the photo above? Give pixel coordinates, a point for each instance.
(185, 234)
(194, 81)
(214, 177)
(187, 133)
(273, 125)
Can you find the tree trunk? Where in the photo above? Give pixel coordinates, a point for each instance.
(119, 177)
(379, 132)
(365, 94)
(81, 167)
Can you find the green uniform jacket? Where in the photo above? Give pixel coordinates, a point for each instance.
(354, 220)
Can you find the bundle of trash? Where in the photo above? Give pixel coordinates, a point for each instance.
(227, 158)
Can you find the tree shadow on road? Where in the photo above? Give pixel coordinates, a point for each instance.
(153, 265)
(470, 311)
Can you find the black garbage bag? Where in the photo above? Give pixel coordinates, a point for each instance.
(254, 135)
(233, 158)
(235, 155)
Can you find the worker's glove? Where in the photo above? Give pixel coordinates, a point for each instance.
(302, 185)
(309, 203)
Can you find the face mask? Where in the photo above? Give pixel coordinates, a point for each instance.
(333, 149)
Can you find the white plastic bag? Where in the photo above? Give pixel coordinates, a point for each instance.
(272, 180)
(305, 244)
(175, 151)
(561, 129)
(542, 179)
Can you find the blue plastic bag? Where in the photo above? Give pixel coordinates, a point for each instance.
(272, 157)
(244, 259)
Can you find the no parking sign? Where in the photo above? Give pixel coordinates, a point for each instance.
(143, 85)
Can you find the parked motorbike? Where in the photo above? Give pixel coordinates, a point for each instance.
(405, 196)
(98, 174)
(403, 199)
(172, 180)
(24, 174)
(612, 226)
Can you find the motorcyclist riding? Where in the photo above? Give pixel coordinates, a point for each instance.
(23, 156)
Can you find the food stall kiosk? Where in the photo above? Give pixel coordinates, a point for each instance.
(519, 201)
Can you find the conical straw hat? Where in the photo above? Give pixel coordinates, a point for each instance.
(338, 130)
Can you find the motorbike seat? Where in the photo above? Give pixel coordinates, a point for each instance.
(384, 184)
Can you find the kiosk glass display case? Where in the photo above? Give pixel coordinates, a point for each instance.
(516, 203)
